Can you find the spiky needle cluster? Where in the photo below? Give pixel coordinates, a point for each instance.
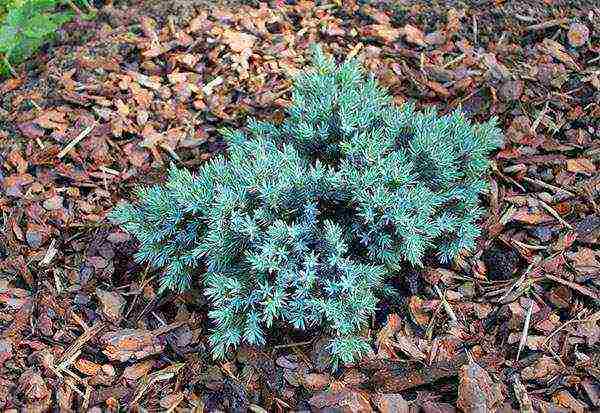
(304, 222)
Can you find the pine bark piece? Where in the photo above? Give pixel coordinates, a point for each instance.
(348, 400)
(134, 344)
(477, 392)
(389, 403)
(130, 344)
(397, 376)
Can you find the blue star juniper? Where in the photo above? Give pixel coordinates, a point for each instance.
(304, 222)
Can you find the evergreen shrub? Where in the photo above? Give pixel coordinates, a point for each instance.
(304, 222)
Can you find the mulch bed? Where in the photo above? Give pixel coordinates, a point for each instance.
(512, 327)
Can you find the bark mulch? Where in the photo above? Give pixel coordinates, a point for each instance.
(512, 327)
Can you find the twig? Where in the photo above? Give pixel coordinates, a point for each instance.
(546, 25)
(446, 305)
(529, 246)
(555, 214)
(525, 329)
(86, 398)
(76, 9)
(547, 186)
(78, 344)
(506, 178)
(518, 283)
(537, 121)
(594, 317)
(521, 395)
(10, 68)
(109, 171)
(75, 141)
(301, 343)
(580, 288)
(455, 60)
(354, 51)
(50, 253)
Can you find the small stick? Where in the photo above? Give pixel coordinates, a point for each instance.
(582, 289)
(546, 25)
(547, 186)
(519, 283)
(10, 68)
(521, 395)
(354, 51)
(455, 60)
(525, 329)
(537, 121)
(529, 246)
(109, 171)
(555, 214)
(593, 318)
(73, 6)
(50, 253)
(447, 306)
(302, 343)
(75, 141)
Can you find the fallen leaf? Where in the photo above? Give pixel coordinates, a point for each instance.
(511, 90)
(36, 235)
(348, 400)
(53, 203)
(31, 130)
(87, 367)
(17, 160)
(316, 381)
(382, 32)
(545, 368)
(32, 386)
(585, 260)
(170, 401)
(10, 84)
(531, 217)
(581, 165)
(558, 51)
(413, 35)
(385, 348)
(417, 311)
(13, 184)
(138, 370)
(112, 303)
(238, 41)
(565, 399)
(6, 351)
(52, 119)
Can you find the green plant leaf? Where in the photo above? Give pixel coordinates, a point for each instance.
(9, 38)
(39, 26)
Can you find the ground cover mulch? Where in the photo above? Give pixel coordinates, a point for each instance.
(115, 100)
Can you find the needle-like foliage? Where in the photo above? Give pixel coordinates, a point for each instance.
(304, 222)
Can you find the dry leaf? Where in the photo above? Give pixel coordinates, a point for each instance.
(413, 35)
(558, 51)
(581, 165)
(112, 303)
(238, 41)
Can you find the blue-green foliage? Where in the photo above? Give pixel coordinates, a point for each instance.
(304, 222)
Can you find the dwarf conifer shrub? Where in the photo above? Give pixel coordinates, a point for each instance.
(303, 223)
